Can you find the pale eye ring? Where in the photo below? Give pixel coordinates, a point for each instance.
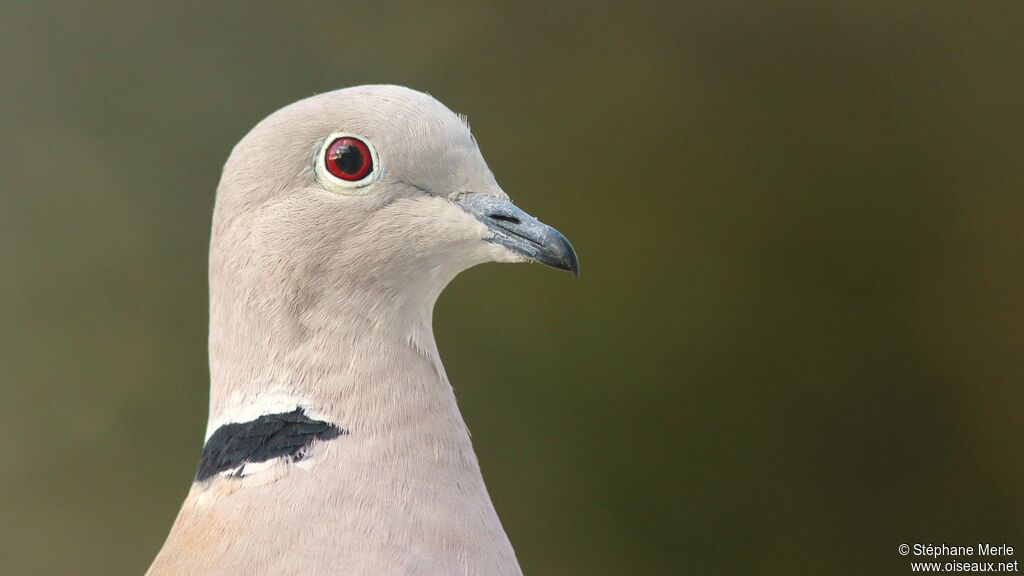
(347, 161)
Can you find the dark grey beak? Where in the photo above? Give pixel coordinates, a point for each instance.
(521, 233)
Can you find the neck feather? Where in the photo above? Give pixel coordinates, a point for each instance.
(370, 368)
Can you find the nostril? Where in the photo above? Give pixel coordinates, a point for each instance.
(504, 218)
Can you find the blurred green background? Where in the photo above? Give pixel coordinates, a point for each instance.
(798, 339)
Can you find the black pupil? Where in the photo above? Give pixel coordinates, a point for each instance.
(348, 159)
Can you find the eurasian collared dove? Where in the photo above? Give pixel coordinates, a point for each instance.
(334, 443)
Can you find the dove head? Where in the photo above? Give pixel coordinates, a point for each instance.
(369, 199)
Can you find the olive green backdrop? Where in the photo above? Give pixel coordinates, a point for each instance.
(797, 341)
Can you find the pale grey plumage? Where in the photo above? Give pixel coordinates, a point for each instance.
(321, 298)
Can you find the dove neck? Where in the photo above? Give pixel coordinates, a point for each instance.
(378, 377)
(370, 368)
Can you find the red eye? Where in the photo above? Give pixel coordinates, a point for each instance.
(349, 159)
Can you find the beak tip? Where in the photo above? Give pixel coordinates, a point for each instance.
(567, 259)
(574, 265)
